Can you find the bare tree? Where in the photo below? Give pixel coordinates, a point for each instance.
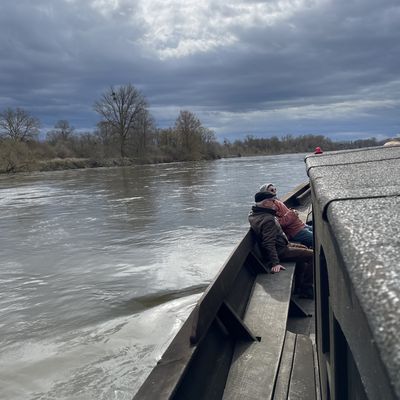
(18, 125)
(166, 138)
(143, 132)
(189, 130)
(208, 136)
(62, 132)
(104, 132)
(109, 140)
(121, 108)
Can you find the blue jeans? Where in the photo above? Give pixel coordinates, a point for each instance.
(305, 236)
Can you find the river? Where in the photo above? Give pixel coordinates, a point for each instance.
(99, 267)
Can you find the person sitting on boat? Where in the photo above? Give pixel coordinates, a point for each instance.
(295, 229)
(276, 247)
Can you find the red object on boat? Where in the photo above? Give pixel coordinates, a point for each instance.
(318, 150)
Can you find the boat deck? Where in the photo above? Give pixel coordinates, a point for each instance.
(303, 383)
(247, 338)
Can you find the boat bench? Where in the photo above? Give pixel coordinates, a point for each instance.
(258, 368)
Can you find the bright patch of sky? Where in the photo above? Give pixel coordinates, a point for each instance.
(180, 28)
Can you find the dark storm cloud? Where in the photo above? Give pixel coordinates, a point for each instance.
(327, 54)
(60, 56)
(253, 67)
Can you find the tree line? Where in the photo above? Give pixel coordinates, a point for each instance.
(127, 134)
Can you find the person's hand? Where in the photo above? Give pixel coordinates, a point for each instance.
(298, 245)
(295, 211)
(277, 268)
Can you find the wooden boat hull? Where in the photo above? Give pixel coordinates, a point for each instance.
(198, 362)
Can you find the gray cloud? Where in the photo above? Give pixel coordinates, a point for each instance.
(246, 67)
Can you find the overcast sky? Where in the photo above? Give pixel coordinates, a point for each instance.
(262, 68)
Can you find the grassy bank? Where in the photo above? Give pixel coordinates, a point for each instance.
(59, 164)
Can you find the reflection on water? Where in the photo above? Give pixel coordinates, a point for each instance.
(99, 267)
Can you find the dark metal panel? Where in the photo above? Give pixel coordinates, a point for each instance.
(355, 387)
(345, 308)
(370, 248)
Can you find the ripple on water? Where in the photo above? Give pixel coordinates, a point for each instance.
(95, 362)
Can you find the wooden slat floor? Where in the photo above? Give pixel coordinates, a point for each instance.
(306, 326)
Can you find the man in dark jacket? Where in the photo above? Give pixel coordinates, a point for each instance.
(276, 247)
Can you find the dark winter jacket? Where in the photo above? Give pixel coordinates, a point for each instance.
(269, 232)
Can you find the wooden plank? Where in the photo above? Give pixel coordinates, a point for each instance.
(208, 305)
(206, 374)
(254, 366)
(290, 199)
(305, 326)
(304, 198)
(285, 367)
(297, 310)
(302, 383)
(234, 324)
(256, 263)
(241, 289)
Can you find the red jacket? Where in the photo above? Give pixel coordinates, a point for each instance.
(289, 220)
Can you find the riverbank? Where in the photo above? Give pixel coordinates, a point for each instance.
(14, 165)
(77, 163)
(59, 164)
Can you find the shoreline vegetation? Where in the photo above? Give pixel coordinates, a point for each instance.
(127, 135)
(16, 158)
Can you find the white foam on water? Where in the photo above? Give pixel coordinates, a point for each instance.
(106, 361)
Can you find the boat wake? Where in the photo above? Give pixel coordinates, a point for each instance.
(138, 304)
(108, 360)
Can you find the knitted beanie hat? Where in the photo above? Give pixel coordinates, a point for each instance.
(260, 196)
(264, 188)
